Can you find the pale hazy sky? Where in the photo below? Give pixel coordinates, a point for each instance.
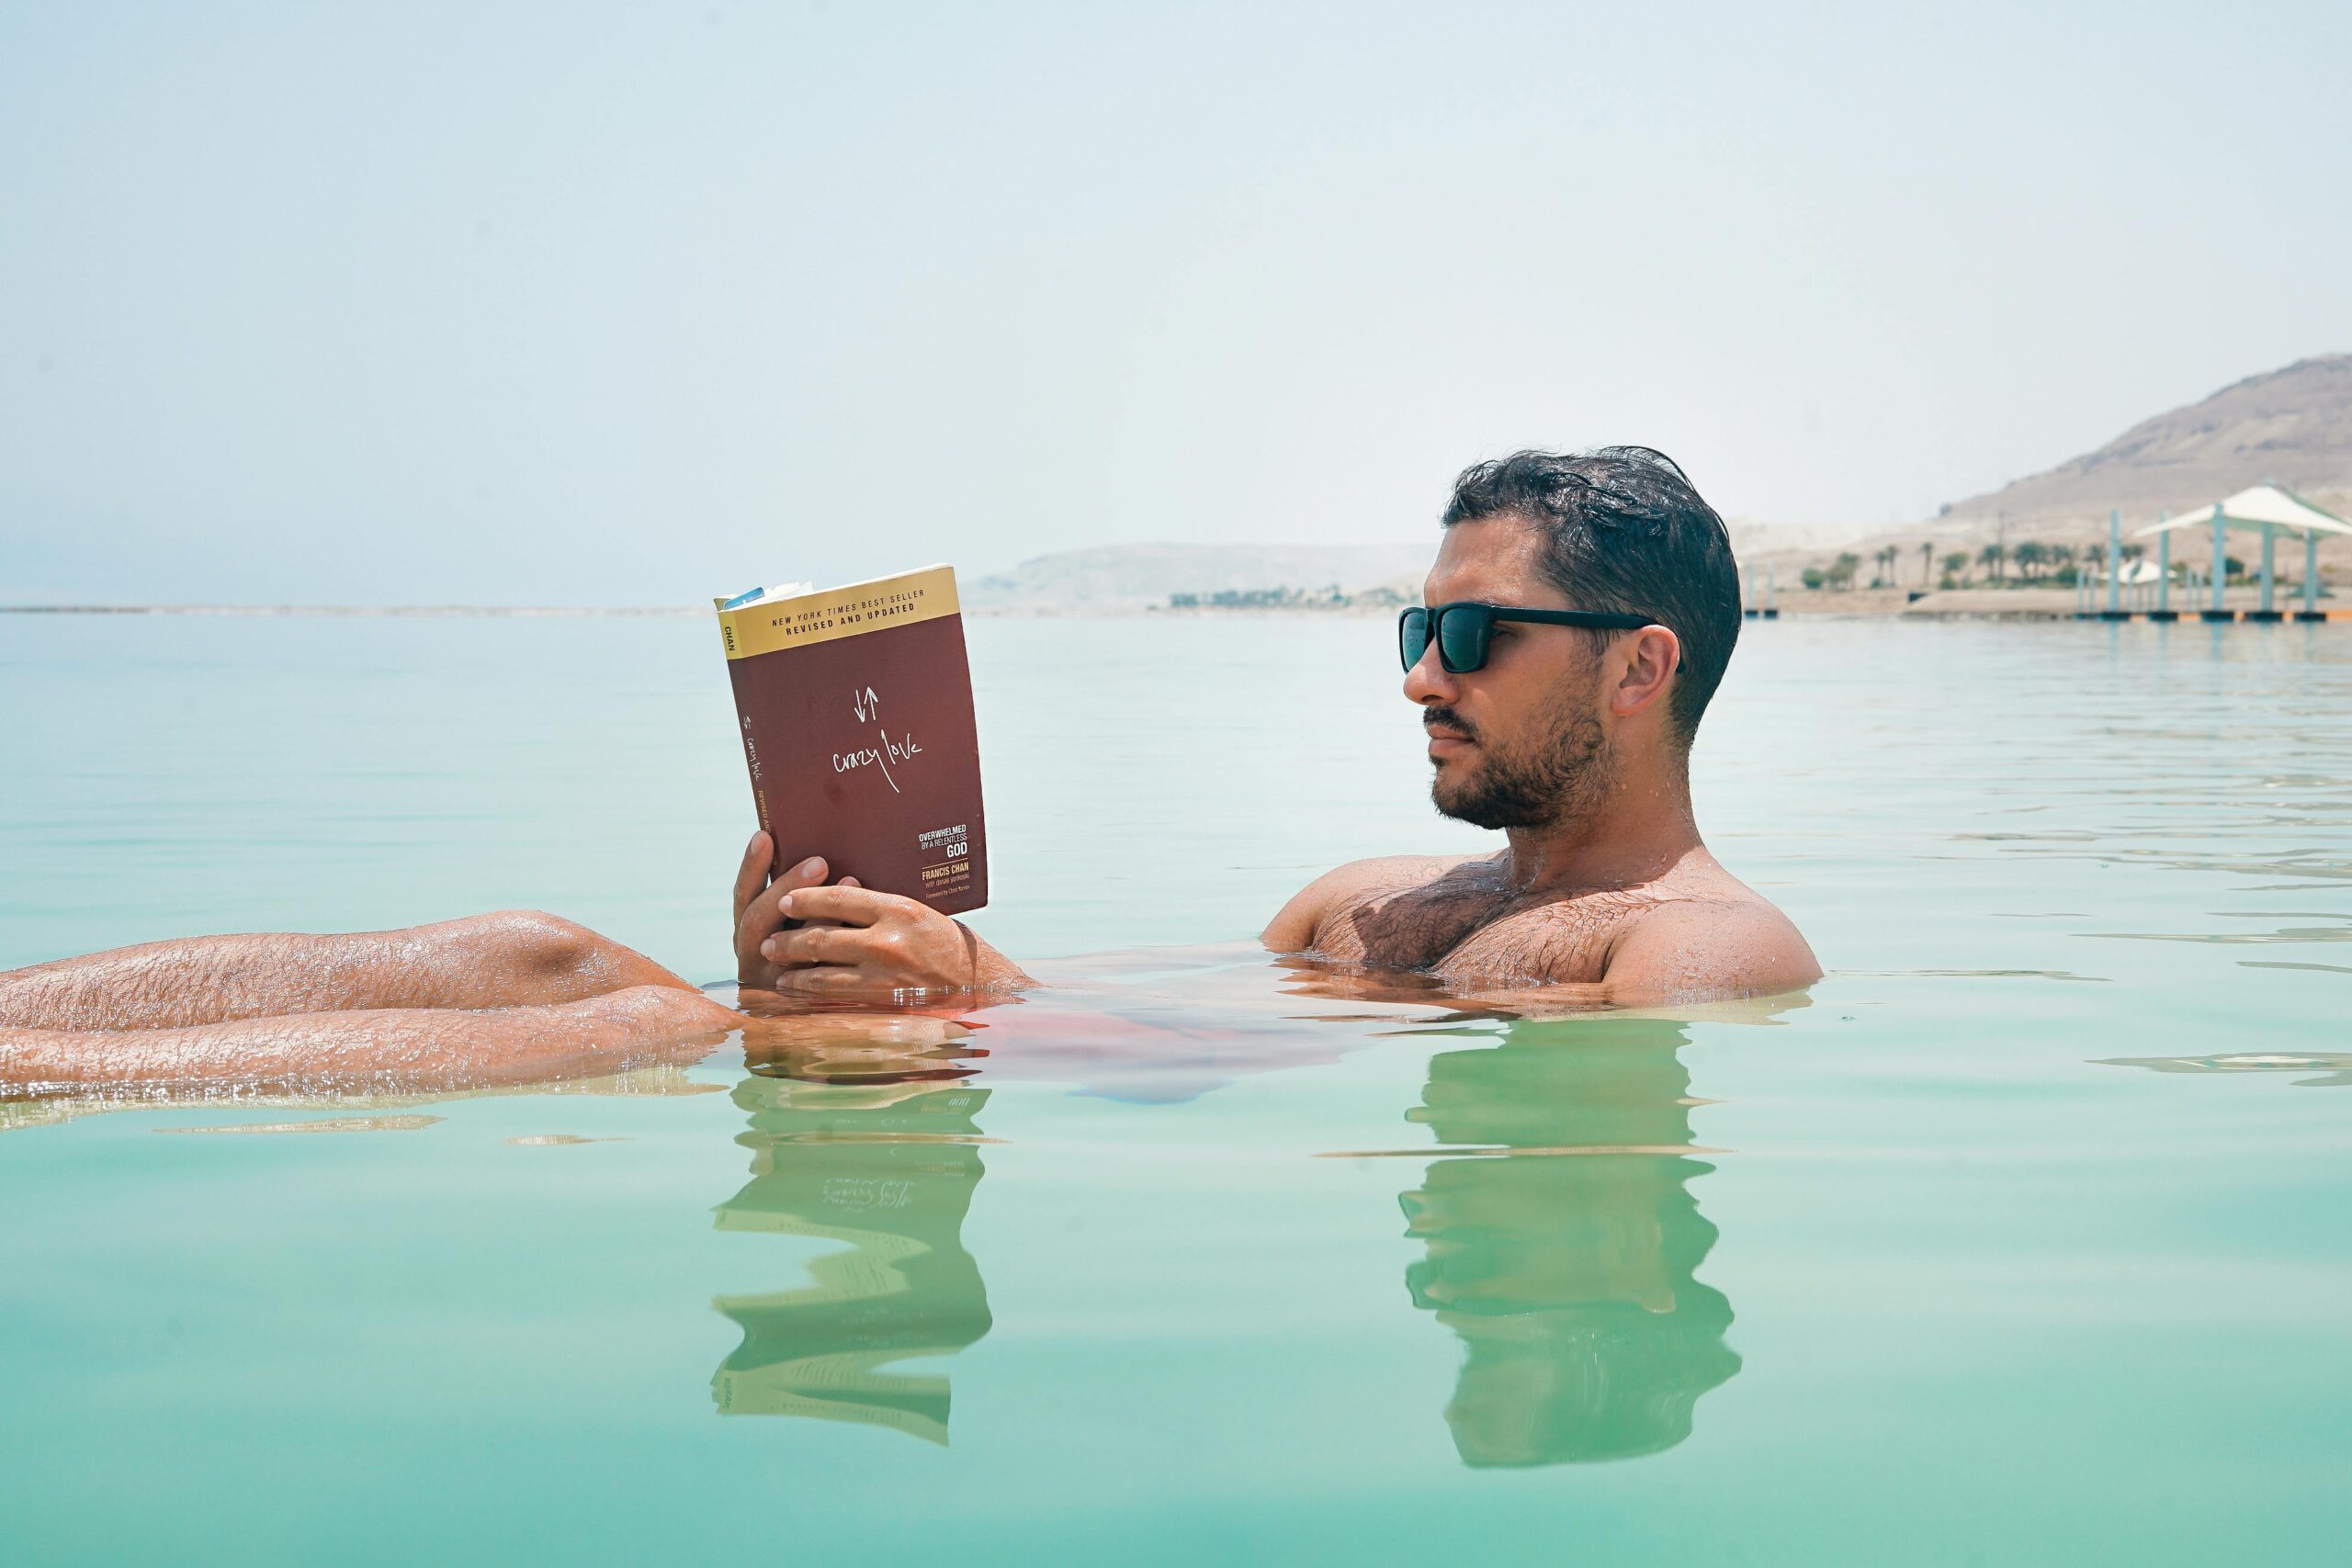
(633, 303)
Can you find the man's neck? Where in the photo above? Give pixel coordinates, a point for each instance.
(1641, 829)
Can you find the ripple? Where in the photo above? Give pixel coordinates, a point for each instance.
(331, 1124)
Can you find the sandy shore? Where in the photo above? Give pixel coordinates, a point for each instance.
(2025, 603)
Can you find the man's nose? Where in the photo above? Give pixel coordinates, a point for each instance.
(1429, 684)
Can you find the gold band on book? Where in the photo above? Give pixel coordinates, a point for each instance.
(809, 619)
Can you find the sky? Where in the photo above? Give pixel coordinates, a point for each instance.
(633, 304)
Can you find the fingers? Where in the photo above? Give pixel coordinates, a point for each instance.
(753, 875)
(850, 905)
(764, 916)
(831, 980)
(819, 945)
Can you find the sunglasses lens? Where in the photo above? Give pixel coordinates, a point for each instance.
(1461, 638)
(1412, 636)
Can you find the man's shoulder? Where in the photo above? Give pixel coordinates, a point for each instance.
(1293, 929)
(1725, 942)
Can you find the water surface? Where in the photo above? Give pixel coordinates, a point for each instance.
(2023, 1241)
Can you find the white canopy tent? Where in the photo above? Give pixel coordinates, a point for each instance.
(2268, 511)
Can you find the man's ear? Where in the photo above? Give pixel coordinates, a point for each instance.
(1651, 657)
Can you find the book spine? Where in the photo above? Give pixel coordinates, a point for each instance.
(751, 755)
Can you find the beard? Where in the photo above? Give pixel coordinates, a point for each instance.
(1562, 774)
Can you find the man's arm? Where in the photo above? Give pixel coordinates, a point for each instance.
(409, 1048)
(515, 958)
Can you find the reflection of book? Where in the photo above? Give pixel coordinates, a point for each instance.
(892, 1176)
(855, 709)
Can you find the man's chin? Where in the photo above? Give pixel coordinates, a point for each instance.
(1462, 799)
(1451, 797)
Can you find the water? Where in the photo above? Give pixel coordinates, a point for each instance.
(2024, 1241)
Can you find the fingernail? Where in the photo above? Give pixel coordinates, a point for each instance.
(813, 866)
(850, 882)
(767, 948)
(784, 904)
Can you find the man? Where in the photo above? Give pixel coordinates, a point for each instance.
(1574, 739)
(1579, 616)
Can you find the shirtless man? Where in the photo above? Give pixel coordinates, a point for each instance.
(1574, 739)
(1582, 612)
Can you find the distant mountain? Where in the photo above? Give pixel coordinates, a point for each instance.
(1126, 578)
(1134, 577)
(2292, 427)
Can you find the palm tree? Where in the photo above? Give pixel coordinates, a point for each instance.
(2030, 554)
(1927, 560)
(1842, 571)
(1993, 556)
(1956, 565)
(1885, 559)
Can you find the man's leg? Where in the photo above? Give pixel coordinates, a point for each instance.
(514, 958)
(407, 1049)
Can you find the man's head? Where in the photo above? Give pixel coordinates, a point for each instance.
(1539, 736)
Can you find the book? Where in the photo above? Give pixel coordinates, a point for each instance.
(855, 706)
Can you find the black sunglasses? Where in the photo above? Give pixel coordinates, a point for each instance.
(1465, 629)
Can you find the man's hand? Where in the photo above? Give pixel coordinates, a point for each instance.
(759, 912)
(861, 943)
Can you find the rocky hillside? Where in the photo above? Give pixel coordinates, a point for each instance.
(2292, 427)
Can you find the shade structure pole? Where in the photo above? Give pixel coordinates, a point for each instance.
(2221, 562)
(2114, 562)
(2310, 571)
(2268, 534)
(2164, 570)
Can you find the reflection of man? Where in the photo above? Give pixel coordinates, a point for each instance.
(890, 1170)
(1565, 1259)
(1581, 612)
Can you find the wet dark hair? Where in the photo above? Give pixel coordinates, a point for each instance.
(1623, 531)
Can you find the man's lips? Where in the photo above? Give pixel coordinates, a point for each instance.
(1445, 742)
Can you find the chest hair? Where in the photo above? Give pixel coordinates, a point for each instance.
(1467, 924)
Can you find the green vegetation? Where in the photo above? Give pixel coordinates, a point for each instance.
(1327, 598)
(2037, 563)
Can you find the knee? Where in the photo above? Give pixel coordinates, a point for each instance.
(544, 946)
(566, 959)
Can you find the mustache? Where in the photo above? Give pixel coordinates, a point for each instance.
(1446, 718)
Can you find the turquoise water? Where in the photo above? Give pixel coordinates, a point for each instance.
(2024, 1242)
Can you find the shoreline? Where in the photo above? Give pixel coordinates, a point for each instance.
(1950, 604)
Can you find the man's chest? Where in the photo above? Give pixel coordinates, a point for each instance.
(1481, 933)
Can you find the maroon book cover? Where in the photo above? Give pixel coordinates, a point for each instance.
(855, 709)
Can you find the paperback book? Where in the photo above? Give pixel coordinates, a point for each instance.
(854, 704)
